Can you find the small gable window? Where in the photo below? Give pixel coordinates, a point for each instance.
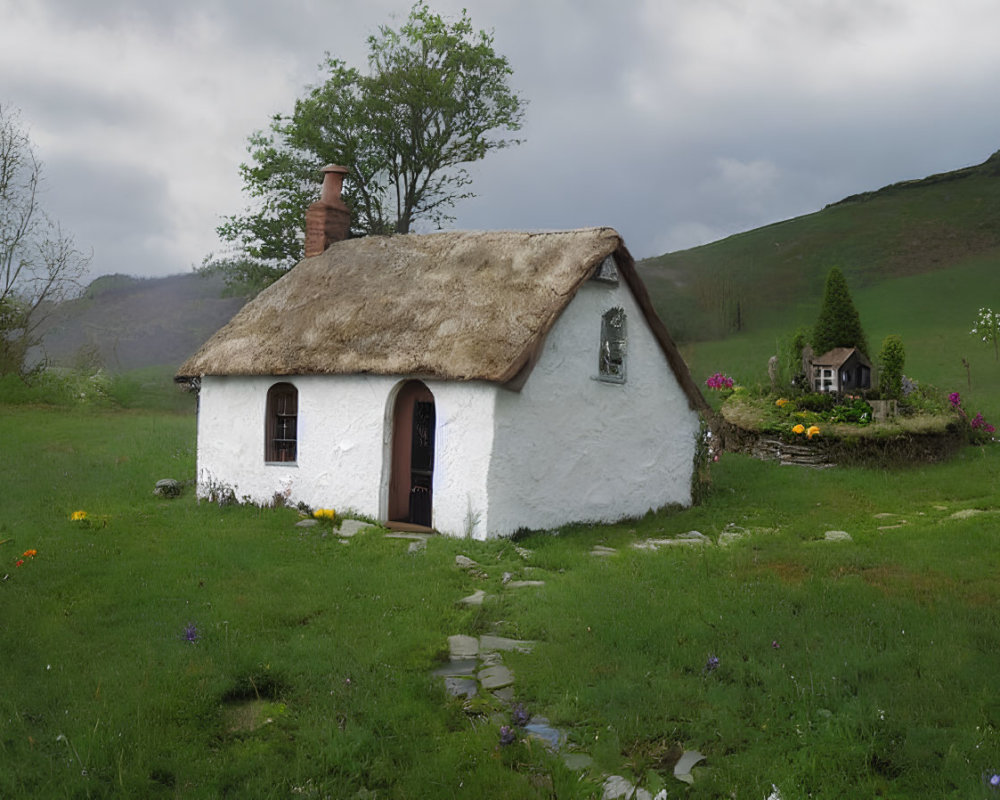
(613, 341)
(607, 271)
(281, 433)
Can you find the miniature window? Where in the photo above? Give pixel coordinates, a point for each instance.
(613, 344)
(607, 271)
(281, 435)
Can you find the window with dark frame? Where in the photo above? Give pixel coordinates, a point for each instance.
(281, 435)
(613, 345)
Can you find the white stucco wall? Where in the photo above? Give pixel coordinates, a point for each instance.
(343, 459)
(570, 447)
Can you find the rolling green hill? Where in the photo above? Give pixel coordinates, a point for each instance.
(921, 258)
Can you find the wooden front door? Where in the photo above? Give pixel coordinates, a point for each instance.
(411, 482)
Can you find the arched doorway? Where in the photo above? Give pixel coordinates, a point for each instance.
(411, 479)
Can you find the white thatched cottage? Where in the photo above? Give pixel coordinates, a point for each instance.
(473, 383)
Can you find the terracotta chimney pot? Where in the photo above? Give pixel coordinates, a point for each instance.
(327, 220)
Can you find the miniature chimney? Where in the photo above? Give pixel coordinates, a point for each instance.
(327, 220)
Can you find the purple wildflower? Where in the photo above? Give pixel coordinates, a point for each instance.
(506, 735)
(520, 716)
(994, 780)
(955, 399)
(775, 644)
(977, 421)
(191, 633)
(712, 664)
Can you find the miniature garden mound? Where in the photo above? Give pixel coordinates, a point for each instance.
(823, 429)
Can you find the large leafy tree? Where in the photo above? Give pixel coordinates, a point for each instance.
(435, 97)
(839, 324)
(39, 264)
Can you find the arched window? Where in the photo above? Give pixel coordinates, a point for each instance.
(613, 340)
(281, 427)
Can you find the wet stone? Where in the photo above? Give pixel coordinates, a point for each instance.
(539, 728)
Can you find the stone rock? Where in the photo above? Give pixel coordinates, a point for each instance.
(416, 547)
(411, 537)
(458, 686)
(523, 584)
(306, 523)
(618, 788)
(167, 487)
(524, 552)
(837, 536)
(474, 599)
(539, 728)
(682, 769)
(464, 562)
(349, 527)
(466, 667)
(506, 577)
(967, 513)
(488, 643)
(461, 646)
(601, 550)
(505, 695)
(495, 677)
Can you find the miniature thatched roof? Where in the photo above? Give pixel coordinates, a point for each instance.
(459, 306)
(837, 357)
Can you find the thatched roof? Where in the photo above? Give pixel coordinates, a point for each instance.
(460, 306)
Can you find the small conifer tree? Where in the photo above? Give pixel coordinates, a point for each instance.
(839, 324)
(891, 360)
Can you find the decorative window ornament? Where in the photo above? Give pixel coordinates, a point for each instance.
(611, 366)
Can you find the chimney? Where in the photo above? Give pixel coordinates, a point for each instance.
(327, 220)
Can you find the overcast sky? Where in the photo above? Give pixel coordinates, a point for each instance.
(678, 122)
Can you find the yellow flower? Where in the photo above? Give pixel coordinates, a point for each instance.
(324, 513)
(800, 428)
(813, 431)
(780, 402)
(76, 516)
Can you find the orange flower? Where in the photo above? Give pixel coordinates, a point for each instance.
(30, 553)
(813, 431)
(20, 563)
(800, 428)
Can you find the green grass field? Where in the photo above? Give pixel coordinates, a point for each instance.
(845, 669)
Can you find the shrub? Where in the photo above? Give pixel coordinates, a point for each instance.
(891, 360)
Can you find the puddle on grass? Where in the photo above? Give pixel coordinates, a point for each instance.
(247, 716)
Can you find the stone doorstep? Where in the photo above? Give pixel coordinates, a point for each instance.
(412, 537)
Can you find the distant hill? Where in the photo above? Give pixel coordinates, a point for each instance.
(123, 323)
(773, 276)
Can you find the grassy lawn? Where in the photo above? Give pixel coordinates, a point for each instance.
(845, 669)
